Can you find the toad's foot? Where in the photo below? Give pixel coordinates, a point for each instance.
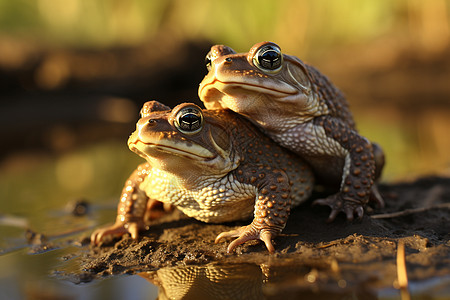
(118, 229)
(350, 206)
(338, 204)
(248, 233)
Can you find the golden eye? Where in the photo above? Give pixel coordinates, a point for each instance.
(189, 120)
(268, 58)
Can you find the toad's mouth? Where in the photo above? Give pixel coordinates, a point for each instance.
(280, 89)
(192, 151)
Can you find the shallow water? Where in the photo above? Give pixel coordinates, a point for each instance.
(38, 229)
(25, 276)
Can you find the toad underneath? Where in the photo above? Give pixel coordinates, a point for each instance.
(300, 109)
(214, 166)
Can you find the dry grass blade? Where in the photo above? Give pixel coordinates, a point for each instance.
(401, 272)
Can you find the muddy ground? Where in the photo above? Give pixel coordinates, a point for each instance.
(310, 252)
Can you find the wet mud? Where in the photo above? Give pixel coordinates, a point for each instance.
(179, 255)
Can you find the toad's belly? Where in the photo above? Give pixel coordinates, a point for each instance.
(238, 210)
(216, 201)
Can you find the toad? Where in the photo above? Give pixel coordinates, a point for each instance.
(213, 165)
(300, 109)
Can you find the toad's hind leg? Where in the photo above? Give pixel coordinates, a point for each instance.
(156, 209)
(357, 182)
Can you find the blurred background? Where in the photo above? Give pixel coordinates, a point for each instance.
(74, 74)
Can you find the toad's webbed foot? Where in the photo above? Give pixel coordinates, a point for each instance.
(338, 204)
(248, 233)
(350, 206)
(118, 229)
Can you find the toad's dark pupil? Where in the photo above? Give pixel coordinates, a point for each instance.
(190, 121)
(269, 58)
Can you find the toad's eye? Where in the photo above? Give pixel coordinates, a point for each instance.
(208, 61)
(189, 120)
(268, 58)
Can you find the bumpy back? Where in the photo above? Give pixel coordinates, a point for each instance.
(331, 95)
(262, 152)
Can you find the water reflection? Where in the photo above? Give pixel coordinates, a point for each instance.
(251, 281)
(213, 281)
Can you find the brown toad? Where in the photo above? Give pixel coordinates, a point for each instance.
(302, 110)
(214, 166)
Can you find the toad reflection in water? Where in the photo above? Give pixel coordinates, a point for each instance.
(214, 166)
(299, 108)
(212, 281)
(252, 281)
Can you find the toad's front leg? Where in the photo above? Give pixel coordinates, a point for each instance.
(272, 208)
(134, 208)
(358, 175)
